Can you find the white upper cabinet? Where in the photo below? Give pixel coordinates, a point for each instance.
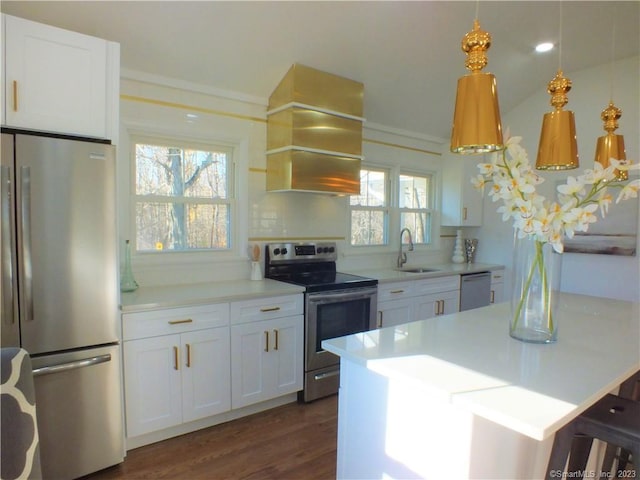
(461, 202)
(59, 81)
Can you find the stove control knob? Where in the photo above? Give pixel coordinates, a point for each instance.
(331, 249)
(276, 251)
(284, 251)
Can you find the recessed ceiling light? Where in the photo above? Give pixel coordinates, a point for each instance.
(544, 47)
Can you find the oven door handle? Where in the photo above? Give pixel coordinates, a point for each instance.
(339, 297)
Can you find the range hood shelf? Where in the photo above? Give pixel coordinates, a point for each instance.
(314, 133)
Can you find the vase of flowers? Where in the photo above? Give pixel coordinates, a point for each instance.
(536, 281)
(540, 228)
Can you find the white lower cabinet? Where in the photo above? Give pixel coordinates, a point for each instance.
(267, 354)
(497, 286)
(408, 301)
(175, 378)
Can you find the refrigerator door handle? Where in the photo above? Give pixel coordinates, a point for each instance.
(63, 367)
(7, 245)
(25, 225)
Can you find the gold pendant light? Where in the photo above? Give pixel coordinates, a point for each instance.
(558, 147)
(611, 145)
(476, 121)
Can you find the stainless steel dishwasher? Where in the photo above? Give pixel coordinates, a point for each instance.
(475, 290)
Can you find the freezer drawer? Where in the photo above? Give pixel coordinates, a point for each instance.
(79, 409)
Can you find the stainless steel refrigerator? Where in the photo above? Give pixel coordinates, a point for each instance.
(59, 294)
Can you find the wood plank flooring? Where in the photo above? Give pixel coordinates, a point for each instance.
(291, 442)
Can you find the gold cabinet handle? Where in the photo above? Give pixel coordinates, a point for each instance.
(15, 96)
(269, 309)
(188, 355)
(397, 291)
(275, 334)
(492, 299)
(266, 341)
(464, 213)
(176, 354)
(380, 318)
(177, 322)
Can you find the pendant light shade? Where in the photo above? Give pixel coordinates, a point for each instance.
(476, 121)
(558, 147)
(611, 145)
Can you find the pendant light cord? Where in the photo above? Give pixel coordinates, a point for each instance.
(560, 40)
(477, 9)
(613, 48)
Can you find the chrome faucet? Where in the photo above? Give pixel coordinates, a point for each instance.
(402, 256)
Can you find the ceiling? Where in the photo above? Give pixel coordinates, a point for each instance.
(407, 54)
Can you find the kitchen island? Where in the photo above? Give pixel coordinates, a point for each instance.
(456, 397)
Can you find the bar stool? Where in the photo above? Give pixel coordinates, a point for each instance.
(630, 388)
(613, 419)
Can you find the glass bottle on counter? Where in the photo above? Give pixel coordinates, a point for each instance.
(127, 281)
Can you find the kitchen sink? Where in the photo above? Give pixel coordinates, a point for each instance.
(418, 270)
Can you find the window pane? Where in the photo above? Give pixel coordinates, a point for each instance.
(177, 172)
(414, 192)
(179, 226)
(420, 225)
(372, 189)
(367, 227)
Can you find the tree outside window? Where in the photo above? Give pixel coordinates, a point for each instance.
(183, 198)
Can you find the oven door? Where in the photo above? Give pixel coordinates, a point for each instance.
(335, 314)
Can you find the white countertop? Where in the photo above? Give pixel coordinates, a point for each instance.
(148, 298)
(469, 359)
(384, 275)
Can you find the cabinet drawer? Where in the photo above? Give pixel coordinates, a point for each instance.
(395, 290)
(174, 320)
(497, 276)
(435, 285)
(265, 308)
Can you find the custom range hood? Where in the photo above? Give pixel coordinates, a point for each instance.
(314, 133)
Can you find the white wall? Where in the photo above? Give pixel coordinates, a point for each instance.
(601, 275)
(155, 105)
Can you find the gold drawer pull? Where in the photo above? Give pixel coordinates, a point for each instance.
(176, 352)
(188, 355)
(15, 96)
(396, 291)
(176, 322)
(269, 309)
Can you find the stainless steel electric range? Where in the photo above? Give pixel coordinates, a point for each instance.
(336, 304)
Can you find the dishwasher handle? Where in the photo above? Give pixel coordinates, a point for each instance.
(471, 277)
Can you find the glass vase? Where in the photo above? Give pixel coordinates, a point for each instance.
(127, 281)
(536, 283)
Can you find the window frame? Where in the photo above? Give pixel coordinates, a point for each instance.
(231, 200)
(394, 210)
(385, 209)
(431, 199)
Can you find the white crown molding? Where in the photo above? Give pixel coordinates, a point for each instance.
(191, 86)
(403, 133)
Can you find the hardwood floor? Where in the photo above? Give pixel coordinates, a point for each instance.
(295, 441)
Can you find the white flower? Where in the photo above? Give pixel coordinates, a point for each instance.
(514, 182)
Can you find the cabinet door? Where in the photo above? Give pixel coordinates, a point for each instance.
(152, 384)
(249, 347)
(266, 359)
(205, 373)
(396, 312)
(285, 365)
(441, 303)
(461, 202)
(497, 287)
(55, 80)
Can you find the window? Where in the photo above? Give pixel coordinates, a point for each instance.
(414, 201)
(372, 215)
(183, 196)
(369, 210)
